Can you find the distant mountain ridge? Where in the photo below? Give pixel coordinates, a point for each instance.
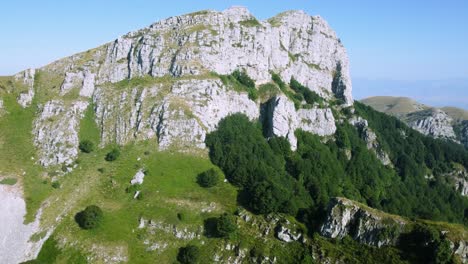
(446, 122)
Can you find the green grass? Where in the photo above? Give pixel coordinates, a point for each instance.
(250, 23)
(169, 188)
(9, 181)
(17, 151)
(88, 127)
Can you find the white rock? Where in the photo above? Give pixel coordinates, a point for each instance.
(285, 120)
(56, 132)
(138, 178)
(27, 77)
(433, 122)
(15, 243)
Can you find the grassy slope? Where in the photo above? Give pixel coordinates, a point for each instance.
(394, 105)
(17, 153)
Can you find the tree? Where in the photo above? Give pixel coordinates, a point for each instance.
(208, 178)
(226, 225)
(86, 146)
(90, 217)
(113, 155)
(188, 255)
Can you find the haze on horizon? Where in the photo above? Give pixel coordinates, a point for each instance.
(400, 48)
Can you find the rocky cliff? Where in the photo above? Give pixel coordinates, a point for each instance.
(162, 82)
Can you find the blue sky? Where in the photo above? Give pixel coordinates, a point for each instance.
(418, 40)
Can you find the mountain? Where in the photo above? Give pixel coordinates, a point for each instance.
(216, 137)
(446, 122)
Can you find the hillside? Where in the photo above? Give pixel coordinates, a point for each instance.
(446, 122)
(214, 137)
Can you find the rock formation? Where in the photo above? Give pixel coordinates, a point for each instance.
(162, 82)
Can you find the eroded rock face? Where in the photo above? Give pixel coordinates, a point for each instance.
(433, 122)
(178, 114)
(56, 132)
(371, 140)
(180, 111)
(27, 78)
(365, 225)
(283, 120)
(15, 243)
(292, 44)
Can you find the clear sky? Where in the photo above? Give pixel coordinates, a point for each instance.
(392, 40)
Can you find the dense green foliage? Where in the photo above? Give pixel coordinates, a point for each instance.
(238, 147)
(90, 217)
(225, 225)
(208, 178)
(113, 155)
(297, 92)
(86, 146)
(309, 96)
(241, 81)
(416, 156)
(189, 255)
(274, 179)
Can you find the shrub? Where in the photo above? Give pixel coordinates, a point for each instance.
(55, 185)
(181, 216)
(90, 217)
(226, 225)
(113, 154)
(86, 146)
(208, 178)
(188, 255)
(243, 78)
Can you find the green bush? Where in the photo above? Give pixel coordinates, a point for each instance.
(243, 78)
(208, 178)
(113, 155)
(226, 225)
(86, 146)
(55, 185)
(90, 217)
(189, 254)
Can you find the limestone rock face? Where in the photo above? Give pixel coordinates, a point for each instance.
(56, 132)
(371, 140)
(459, 178)
(158, 82)
(27, 78)
(364, 225)
(283, 120)
(178, 114)
(82, 79)
(434, 122)
(292, 44)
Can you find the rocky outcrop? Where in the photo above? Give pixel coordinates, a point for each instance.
(157, 82)
(84, 80)
(27, 79)
(282, 120)
(433, 122)
(292, 44)
(178, 114)
(16, 243)
(56, 132)
(363, 224)
(459, 179)
(371, 140)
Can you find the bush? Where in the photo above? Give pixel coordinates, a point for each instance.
(226, 225)
(86, 146)
(188, 255)
(90, 217)
(113, 154)
(55, 185)
(208, 178)
(243, 78)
